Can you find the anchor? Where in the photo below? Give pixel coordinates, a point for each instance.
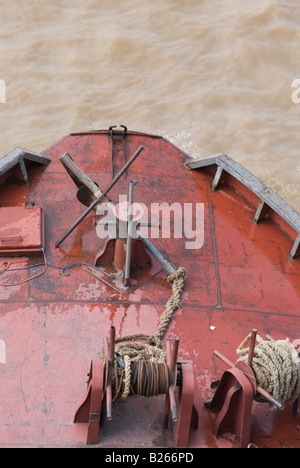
(100, 196)
(177, 379)
(131, 254)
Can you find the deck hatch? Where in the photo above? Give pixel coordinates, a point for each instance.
(21, 230)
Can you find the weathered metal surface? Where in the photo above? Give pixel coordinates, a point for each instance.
(17, 157)
(266, 196)
(21, 230)
(241, 278)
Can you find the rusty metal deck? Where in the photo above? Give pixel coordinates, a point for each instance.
(242, 277)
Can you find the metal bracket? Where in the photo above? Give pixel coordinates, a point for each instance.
(116, 134)
(17, 157)
(90, 409)
(180, 399)
(233, 399)
(269, 200)
(179, 404)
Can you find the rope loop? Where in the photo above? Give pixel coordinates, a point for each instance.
(146, 362)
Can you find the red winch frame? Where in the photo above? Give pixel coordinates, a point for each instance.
(179, 401)
(235, 392)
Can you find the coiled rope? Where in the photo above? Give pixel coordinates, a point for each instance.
(141, 378)
(276, 365)
(140, 368)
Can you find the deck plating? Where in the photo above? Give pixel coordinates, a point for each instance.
(242, 278)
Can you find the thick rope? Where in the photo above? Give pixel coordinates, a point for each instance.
(153, 351)
(145, 378)
(276, 366)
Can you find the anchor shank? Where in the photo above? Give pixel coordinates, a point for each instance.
(76, 174)
(98, 200)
